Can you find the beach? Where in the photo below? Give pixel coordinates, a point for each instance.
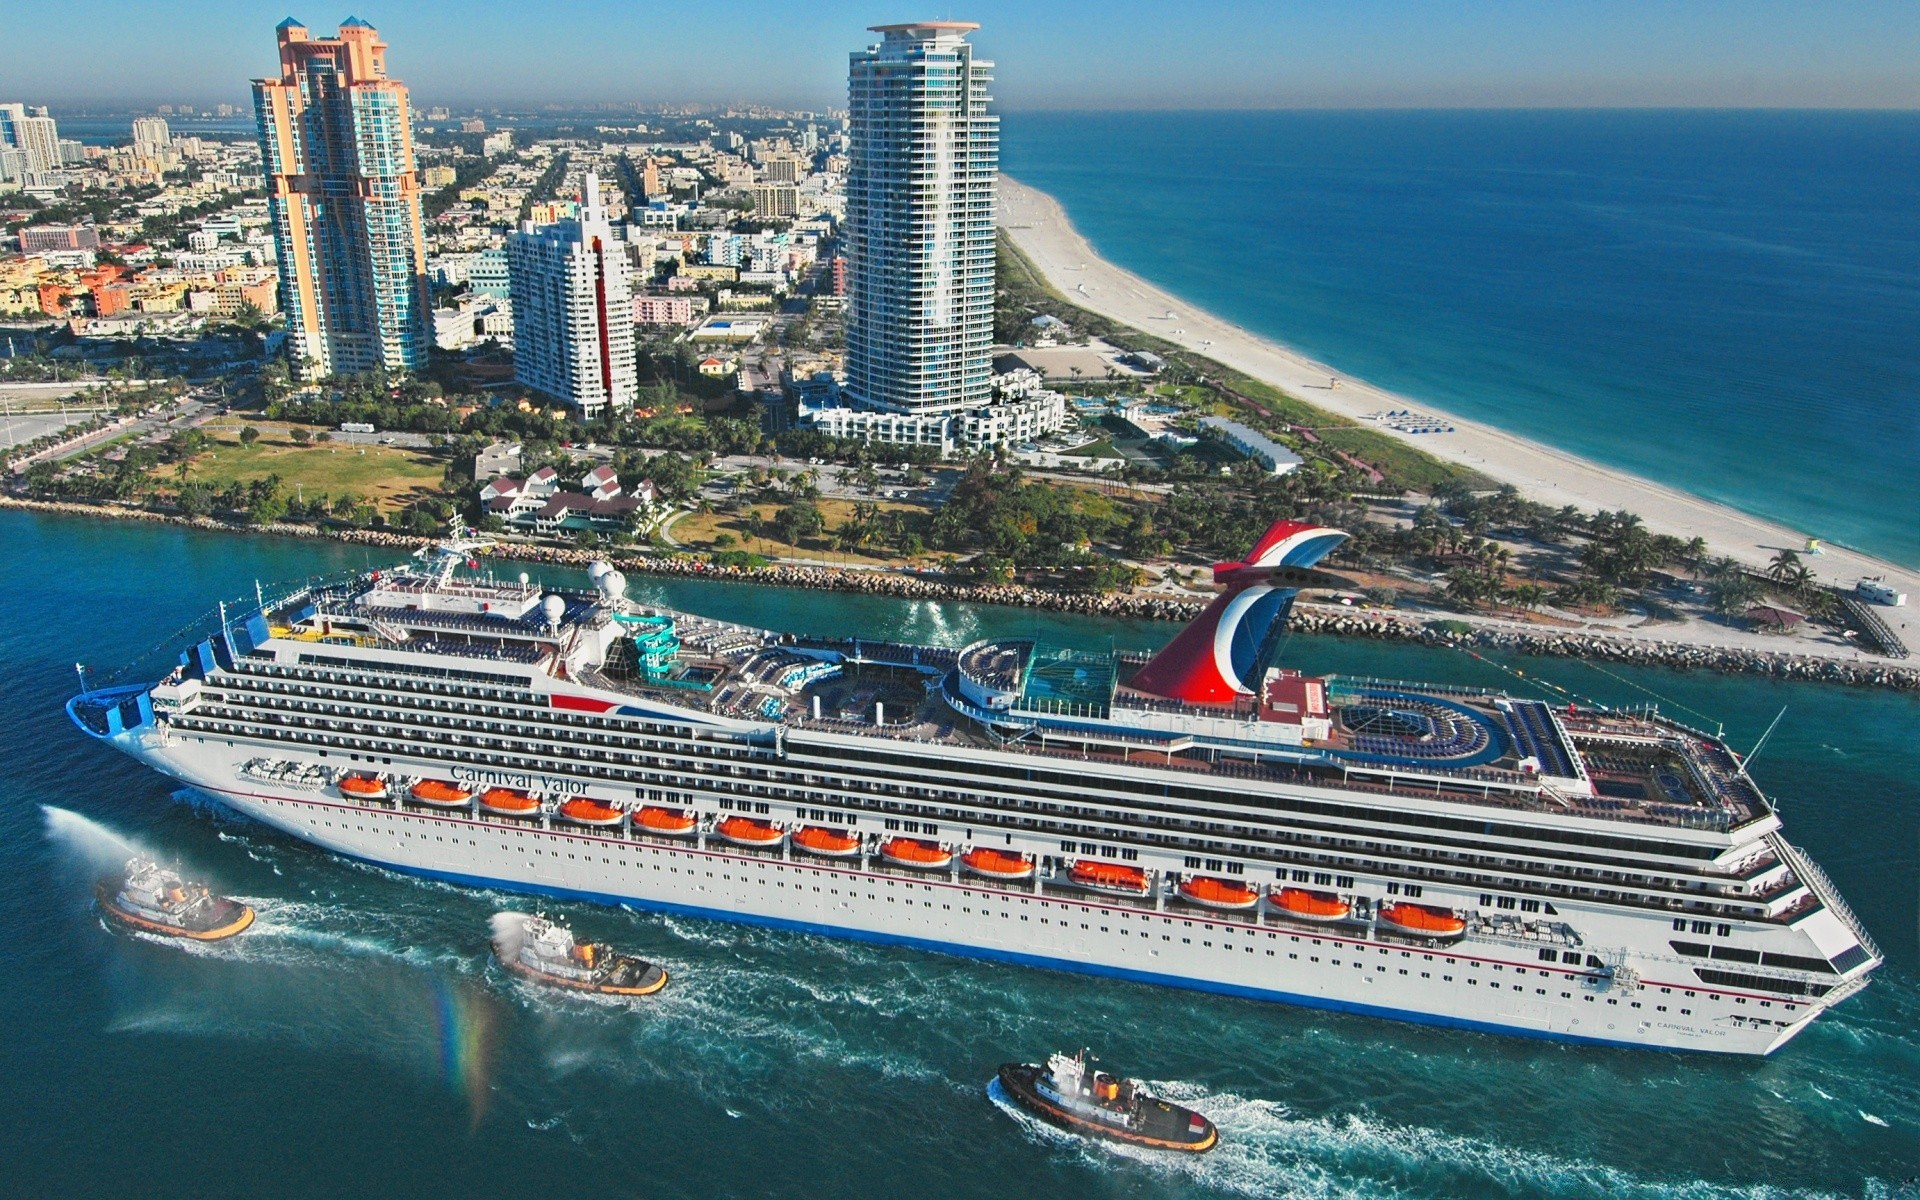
(1040, 228)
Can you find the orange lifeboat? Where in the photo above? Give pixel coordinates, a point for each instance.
(998, 864)
(745, 831)
(438, 793)
(1218, 893)
(1311, 906)
(667, 822)
(827, 843)
(582, 811)
(1422, 921)
(1117, 878)
(509, 802)
(363, 787)
(912, 852)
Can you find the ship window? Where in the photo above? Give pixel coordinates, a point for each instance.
(1703, 927)
(1726, 931)
(1679, 924)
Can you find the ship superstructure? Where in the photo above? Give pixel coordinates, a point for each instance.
(1201, 817)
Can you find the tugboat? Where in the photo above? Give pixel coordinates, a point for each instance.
(1072, 1092)
(149, 898)
(535, 948)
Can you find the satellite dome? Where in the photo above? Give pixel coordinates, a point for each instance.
(596, 569)
(614, 584)
(524, 579)
(554, 607)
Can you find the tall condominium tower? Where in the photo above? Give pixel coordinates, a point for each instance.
(151, 136)
(345, 203)
(924, 160)
(34, 134)
(573, 310)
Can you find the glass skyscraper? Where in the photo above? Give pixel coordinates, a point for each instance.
(337, 145)
(924, 161)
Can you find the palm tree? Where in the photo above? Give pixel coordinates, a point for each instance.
(1783, 566)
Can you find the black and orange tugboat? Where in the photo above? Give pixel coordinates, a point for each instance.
(1072, 1092)
(535, 948)
(149, 898)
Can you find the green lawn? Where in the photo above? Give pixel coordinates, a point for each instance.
(389, 476)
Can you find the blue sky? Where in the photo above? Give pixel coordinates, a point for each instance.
(1095, 54)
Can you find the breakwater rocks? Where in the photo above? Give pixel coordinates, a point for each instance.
(1307, 618)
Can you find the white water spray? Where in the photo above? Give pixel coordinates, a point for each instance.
(89, 841)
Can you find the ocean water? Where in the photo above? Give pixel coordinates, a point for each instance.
(1727, 302)
(356, 1042)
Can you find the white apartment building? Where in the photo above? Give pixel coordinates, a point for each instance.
(923, 167)
(151, 137)
(573, 310)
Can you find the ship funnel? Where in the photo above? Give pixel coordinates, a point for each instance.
(1214, 660)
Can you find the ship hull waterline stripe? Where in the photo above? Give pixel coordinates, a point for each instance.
(1073, 966)
(1089, 902)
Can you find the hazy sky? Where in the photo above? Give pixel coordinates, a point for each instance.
(1125, 54)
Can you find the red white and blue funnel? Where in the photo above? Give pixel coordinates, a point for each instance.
(1211, 660)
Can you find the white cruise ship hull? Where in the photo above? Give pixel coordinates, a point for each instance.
(1472, 983)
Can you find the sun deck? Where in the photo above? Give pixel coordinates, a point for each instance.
(1382, 737)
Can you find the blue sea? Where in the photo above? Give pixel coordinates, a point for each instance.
(356, 1043)
(1726, 302)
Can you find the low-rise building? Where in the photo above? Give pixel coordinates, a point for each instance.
(662, 310)
(1271, 455)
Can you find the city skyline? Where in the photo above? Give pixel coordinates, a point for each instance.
(1389, 53)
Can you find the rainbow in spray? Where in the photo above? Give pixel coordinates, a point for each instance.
(464, 1024)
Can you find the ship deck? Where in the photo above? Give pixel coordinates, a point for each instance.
(1387, 738)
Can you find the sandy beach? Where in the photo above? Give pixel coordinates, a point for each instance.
(1040, 228)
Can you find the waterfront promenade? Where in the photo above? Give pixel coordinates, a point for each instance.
(1039, 226)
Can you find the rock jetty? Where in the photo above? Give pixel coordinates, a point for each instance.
(1307, 618)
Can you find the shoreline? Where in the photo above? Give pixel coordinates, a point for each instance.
(1042, 230)
(1329, 620)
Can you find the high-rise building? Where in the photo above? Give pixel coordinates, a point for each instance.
(781, 168)
(150, 136)
(921, 181)
(573, 310)
(33, 133)
(775, 200)
(344, 200)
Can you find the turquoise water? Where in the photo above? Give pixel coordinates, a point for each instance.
(356, 1043)
(1725, 302)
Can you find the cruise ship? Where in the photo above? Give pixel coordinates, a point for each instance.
(1203, 817)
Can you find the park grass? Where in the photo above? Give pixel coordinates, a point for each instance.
(1100, 449)
(698, 530)
(391, 477)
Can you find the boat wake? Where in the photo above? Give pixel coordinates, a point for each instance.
(1268, 1150)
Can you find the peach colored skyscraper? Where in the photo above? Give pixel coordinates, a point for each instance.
(337, 144)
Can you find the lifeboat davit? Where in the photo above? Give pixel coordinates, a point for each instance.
(1422, 921)
(1311, 906)
(509, 802)
(438, 793)
(745, 831)
(1218, 893)
(1117, 878)
(582, 811)
(667, 822)
(998, 864)
(363, 787)
(827, 843)
(912, 852)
